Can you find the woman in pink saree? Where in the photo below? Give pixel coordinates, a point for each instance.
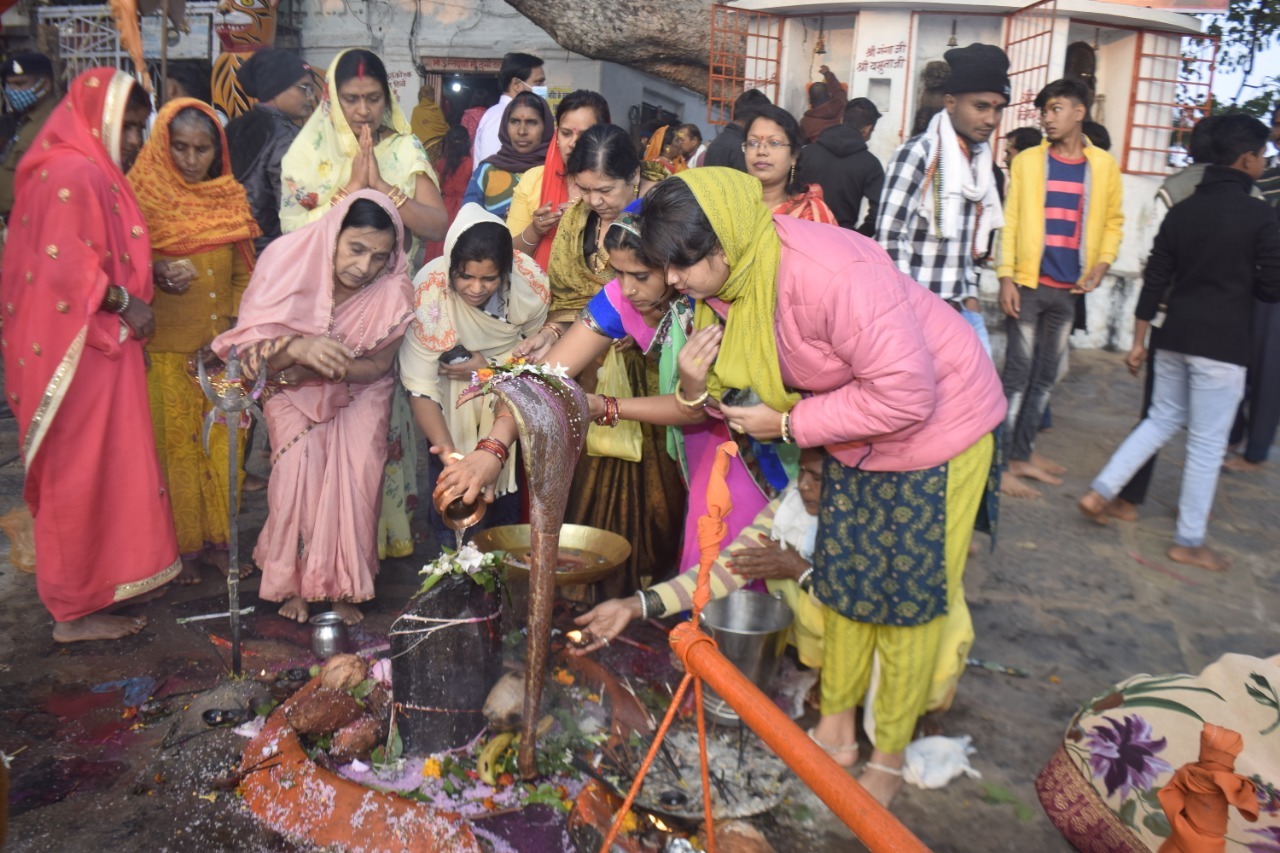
(323, 317)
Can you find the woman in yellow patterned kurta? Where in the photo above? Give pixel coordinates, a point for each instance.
(201, 232)
(358, 138)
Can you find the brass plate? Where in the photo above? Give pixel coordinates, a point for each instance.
(593, 553)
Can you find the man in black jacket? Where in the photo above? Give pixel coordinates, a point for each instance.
(840, 163)
(726, 149)
(1215, 253)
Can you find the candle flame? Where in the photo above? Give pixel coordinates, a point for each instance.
(658, 824)
(574, 636)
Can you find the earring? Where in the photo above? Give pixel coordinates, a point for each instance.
(792, 180)
(636, 188)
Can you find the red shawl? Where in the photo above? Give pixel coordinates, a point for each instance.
(75, 229)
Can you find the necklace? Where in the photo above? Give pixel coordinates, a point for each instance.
(358, 349)
(600, 260)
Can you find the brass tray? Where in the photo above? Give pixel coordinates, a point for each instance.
(587, 554)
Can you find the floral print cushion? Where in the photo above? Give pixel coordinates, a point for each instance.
(1125, 745)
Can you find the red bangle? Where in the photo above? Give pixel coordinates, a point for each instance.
(497, 448)
(610, 416)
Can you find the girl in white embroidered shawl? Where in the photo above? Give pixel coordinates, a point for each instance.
(472, 306)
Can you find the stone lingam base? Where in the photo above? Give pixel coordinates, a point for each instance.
(456, 799)
(293, 795)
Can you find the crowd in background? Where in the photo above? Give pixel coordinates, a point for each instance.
(776, 286)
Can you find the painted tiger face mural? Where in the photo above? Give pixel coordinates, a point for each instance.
(243, 26)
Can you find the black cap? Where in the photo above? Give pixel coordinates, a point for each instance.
(34, 64)
(977, 68)
(270, 71)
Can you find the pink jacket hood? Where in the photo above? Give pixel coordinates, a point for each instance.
(896, 380)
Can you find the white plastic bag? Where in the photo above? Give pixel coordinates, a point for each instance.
(932, 762)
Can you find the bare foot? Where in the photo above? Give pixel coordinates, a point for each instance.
(295, 608)
(1201, 557)
(1015, 488)
(1046, 465)
(221, 560)
(1241, 465)
(190, 574)
(1094, 506)
(882, 777)
(1121, 509)
(1032, 471)
(350, 614)
(846, 755)
(96, 626)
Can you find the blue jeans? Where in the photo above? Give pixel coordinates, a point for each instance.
(979, 324)
(1200, 394)
(1032, 362)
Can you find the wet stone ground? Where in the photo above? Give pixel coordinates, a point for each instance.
(1075, 606)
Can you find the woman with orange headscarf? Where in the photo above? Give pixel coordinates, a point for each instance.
(201, 242)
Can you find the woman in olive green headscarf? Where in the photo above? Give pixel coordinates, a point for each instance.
(901, 394)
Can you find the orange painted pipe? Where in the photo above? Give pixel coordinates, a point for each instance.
(879, 830)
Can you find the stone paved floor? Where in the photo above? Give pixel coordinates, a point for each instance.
(1066, 601)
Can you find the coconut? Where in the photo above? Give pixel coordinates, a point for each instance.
(343, 672)
(356, 739)
(322, 711)
(504, 708)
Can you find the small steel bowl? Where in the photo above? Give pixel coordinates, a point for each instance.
(328, 635)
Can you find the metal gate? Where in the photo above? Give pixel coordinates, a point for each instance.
(87, 36)
(1029, 44)
(746, 53)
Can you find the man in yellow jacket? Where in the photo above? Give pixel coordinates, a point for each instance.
(1063, 224)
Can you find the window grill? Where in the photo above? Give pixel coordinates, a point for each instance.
(1172, 90)
(1029, 45)
(746, 53)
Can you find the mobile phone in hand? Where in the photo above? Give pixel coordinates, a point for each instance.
(456, 355)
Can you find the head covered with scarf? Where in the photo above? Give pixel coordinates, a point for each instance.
(74, 230)
(508, 158)
(292, 290)
(733, 204)
(319, 161)
(184, 218)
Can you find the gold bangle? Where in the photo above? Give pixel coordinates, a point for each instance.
(699, 403)
(338, 196)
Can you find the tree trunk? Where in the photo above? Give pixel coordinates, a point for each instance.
(667, 38)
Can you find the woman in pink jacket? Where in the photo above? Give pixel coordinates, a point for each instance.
(830, 345)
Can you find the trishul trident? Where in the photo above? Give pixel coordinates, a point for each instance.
(232, 402)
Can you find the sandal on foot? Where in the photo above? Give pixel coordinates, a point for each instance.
(883, 768)
(846, 749)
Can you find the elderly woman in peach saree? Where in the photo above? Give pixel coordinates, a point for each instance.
(323, 317)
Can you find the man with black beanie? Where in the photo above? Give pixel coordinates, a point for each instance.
(940, 202)
(726, 149)
(258, 139)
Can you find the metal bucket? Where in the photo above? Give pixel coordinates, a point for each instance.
(750, 629)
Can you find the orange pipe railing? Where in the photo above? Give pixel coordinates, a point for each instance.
(879, 830)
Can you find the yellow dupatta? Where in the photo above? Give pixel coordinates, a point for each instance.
(319, 161)
(734, 204)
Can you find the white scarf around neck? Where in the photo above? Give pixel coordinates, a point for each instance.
(959, 180)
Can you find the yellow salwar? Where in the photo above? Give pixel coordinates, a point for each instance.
(920, 665)
(184, 323)
(197, 483)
